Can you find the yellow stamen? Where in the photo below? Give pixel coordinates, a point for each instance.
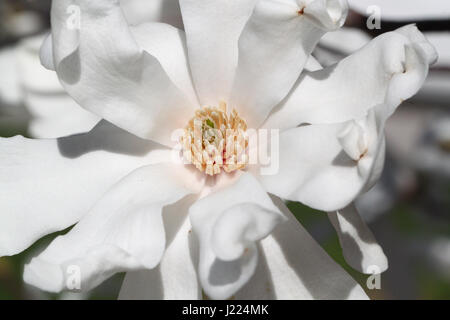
(214, 141)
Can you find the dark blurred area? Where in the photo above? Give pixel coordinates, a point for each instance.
(408, 210)
(21, 18)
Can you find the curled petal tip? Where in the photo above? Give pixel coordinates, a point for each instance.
(418, 38)
(328, 14)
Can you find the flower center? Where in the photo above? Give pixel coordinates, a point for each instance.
(214, 140)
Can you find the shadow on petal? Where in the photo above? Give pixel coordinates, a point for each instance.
(105, 137)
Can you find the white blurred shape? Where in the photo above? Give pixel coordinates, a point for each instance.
(439, 253)
(24, 81)
(398, 10)
(9, 88)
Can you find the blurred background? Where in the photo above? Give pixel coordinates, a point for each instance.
(408, 210)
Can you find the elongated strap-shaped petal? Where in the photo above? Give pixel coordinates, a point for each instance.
(124, 231)
(167, 44)
(360, 248)
(176, 276)
(320, 165)
(394, 64)
(105, 70)
(48, 185)
(212, 31)
(242, 214)
(273, 49)
(293, 266)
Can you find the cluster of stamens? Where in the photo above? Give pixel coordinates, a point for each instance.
(214, 141)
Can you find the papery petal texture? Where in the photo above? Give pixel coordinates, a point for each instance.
(273, 49)
(212, 31)
(244, 213)
(53, 113)
(106, 71)
(176, 276)
(388, 70)
(314, 167)
(293, 266)
(123, 231)
(48, 185)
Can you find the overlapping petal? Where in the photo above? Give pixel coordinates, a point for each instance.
(318, 166)
(294, 266)
(53, 113)
(167, 44)
(176, 276)
(394, 64)
(273, 49)
(244, 213)
(212, 31)
(123, 231)
(105, 70)
(48, 185)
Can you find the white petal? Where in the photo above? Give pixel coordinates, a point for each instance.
(57, 115)
(139, 11)
(441, 41)
(346, 40)
(176, 276)
(53, 113)
(314, 167)
(245, 213)
(136, 12)
(168, 45)
(123, 231)
(273, 49)
(48, 185)
(293, 266)
(212, 31)
(390, 69)
(105, 70)
(360, 248)
(401, 10)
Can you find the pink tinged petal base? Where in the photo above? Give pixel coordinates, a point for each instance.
(245, 214)
(273, 49)
(360, 248)
(105, 70)
(47, 185)
(388, 70)
(123, 231)
(293, 266)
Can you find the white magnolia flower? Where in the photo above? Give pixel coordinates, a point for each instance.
(177, 230)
